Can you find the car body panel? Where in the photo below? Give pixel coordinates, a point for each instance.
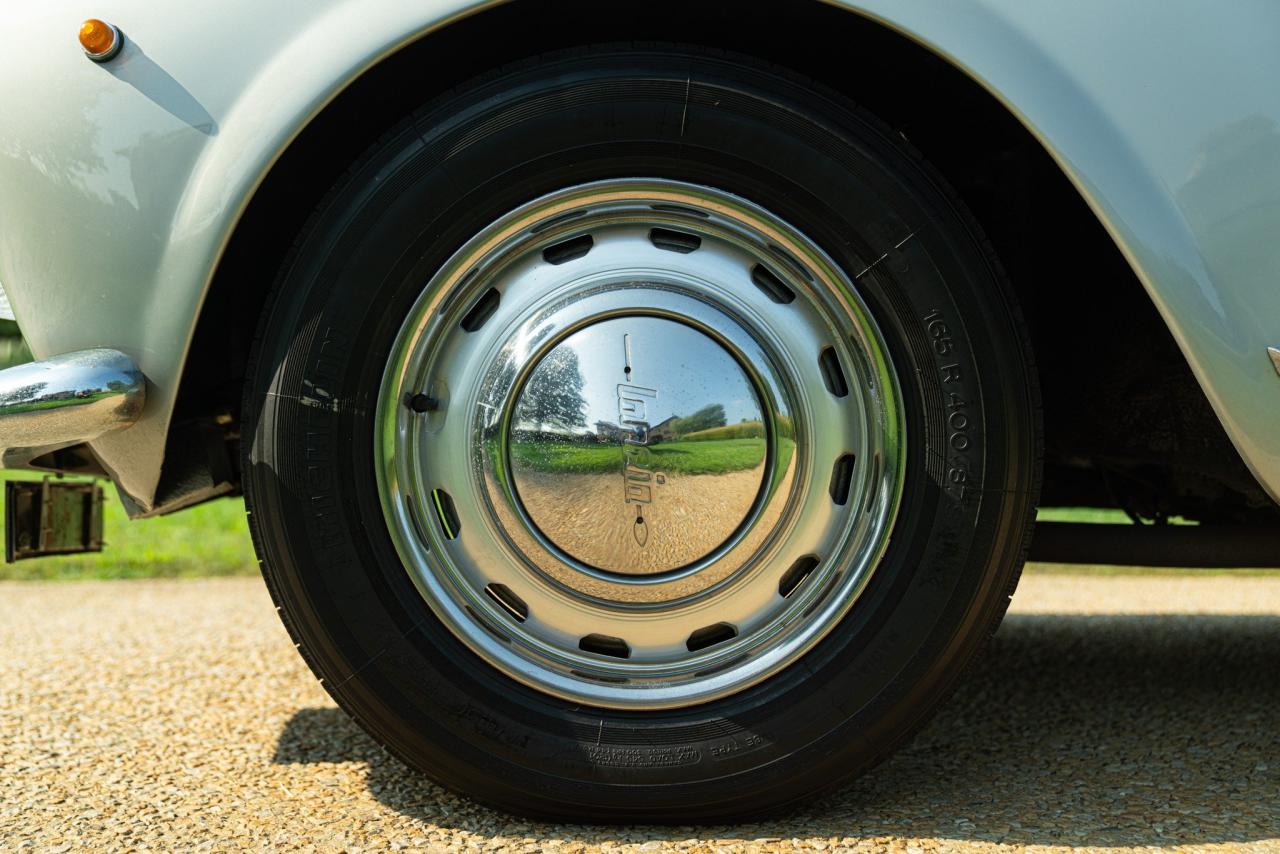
(121, 183)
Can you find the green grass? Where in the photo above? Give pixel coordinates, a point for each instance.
(1118, 517)
(54, 404)
(212, 539)
(1094, 516)
(13, 350)
(207, 540)
(716, 456)
(1105, 570)
(741, 430)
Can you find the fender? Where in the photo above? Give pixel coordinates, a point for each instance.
(121, 183)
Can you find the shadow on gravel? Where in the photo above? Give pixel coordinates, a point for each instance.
(1073, 730)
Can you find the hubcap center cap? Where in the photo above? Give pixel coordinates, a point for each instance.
(636, 445)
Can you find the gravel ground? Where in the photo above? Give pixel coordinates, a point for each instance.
(1110, 713)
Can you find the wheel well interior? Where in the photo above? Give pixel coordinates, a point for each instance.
(1126, 424)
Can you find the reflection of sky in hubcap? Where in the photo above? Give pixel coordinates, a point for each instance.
(637, 445)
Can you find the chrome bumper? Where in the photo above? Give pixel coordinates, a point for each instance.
(66, 400)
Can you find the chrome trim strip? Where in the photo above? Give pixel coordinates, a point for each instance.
(65, 400)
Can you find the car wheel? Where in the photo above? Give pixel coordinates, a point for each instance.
(640, 434)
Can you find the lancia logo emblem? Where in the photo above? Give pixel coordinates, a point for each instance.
(638, 476)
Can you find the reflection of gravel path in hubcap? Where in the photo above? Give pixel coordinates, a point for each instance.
(590, 504)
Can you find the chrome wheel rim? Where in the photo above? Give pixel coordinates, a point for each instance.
(640, 444)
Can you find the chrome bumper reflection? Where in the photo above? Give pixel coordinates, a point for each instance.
(66, 400)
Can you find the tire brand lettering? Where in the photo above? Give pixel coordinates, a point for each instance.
(959, 416)
(642, 757)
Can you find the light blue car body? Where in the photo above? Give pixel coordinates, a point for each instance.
(121, 183)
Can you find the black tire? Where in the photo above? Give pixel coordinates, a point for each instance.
(827, 167)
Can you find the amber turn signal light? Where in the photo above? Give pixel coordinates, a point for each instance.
(100, 40)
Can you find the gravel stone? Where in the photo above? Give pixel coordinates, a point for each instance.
(1110, 713)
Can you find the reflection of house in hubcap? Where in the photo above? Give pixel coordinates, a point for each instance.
(608, 433)
(663, 430)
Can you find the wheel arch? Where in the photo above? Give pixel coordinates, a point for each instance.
(1009, 73)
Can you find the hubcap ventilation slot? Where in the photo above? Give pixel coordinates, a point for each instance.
(448, 515)
(605, 645)
(772, 286)
(832, 373)
(509, 601)
(841, 478)
(798, 572)
(674, 241)
(710, 636)
(482, 310)
(567, 250)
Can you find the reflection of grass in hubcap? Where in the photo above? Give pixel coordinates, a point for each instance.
(715, 456)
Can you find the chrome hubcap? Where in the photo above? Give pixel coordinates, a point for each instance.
(617, 441)
(640, 444)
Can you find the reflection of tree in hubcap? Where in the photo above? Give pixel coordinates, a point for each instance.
(554, 393)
